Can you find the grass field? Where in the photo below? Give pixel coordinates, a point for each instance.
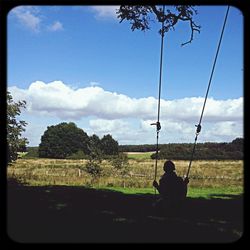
(139, 155)
(206, 177)
(61, 202)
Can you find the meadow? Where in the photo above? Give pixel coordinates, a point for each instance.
(61, 202)
(207, 178)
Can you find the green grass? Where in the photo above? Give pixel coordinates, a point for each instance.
(221, 192)
(131, 190)
(140, 156)
(207, 193)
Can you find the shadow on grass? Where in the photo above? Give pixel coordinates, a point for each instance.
(81, 215)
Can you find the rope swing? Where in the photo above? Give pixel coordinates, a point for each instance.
(157, 124)
(198, 130)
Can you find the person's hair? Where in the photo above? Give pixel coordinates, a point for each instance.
(168, 166)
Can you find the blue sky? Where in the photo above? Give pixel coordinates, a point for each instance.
(79, 64)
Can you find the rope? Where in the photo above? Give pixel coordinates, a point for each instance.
(204, 104)
(158, 125)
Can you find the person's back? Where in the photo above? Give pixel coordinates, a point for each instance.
(171, 186)
(173, 189)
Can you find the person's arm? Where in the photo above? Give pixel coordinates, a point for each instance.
(156, 185)
(186, 180)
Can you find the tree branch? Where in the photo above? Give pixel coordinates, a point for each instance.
(139, 17)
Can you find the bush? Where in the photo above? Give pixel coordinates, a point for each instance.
(32, 152)
(77, 156)
(93, 169)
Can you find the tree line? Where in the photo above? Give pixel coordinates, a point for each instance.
(182, 151)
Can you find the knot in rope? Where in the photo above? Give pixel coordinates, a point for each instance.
(198, 130)
(158, 126)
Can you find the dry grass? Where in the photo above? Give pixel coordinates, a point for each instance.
(140, 173)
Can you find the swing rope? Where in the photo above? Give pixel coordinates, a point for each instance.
(158, 125)
(205, 100)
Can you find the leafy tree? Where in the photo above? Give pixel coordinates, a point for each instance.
(109, 146)
(95, 148)
(121, 165)
(15, 128)
(94, 169)
(140, 17)
(63, 140)
(120, 162)
(95, 141)
(238, 141)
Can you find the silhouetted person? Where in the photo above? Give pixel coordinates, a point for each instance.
(172, 188)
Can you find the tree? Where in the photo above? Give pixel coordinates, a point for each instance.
(238, 141)
(63, 140)
(140, 17)
(109, 146)
(95, 148)
(94, 169)
(14, 128)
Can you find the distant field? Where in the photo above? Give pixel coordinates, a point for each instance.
(206, 177)
(139, 155)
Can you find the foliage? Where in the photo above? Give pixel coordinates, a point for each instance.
(63, 140)
(32, 152)
(94, 169)
(120, 163)
(140, 17)
(95, 148)
(15, 128)
(182, 151)
(78, 155)
(137, 148)
(95, 142)
(109, 146)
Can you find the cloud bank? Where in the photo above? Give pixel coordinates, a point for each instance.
(128, 119)
(58, 99)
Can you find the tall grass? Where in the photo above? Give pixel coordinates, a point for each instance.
(203, 174)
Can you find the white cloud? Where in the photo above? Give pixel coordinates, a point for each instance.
(28, 16)
(224, 130)
(107, 126)
(31, 17)
(128, 119)
(64, 101)
(105, 11)
(56, 26)
(125, 131)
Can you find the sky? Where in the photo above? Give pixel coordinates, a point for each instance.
(79, 64)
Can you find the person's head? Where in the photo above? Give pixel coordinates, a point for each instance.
(169, 166)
